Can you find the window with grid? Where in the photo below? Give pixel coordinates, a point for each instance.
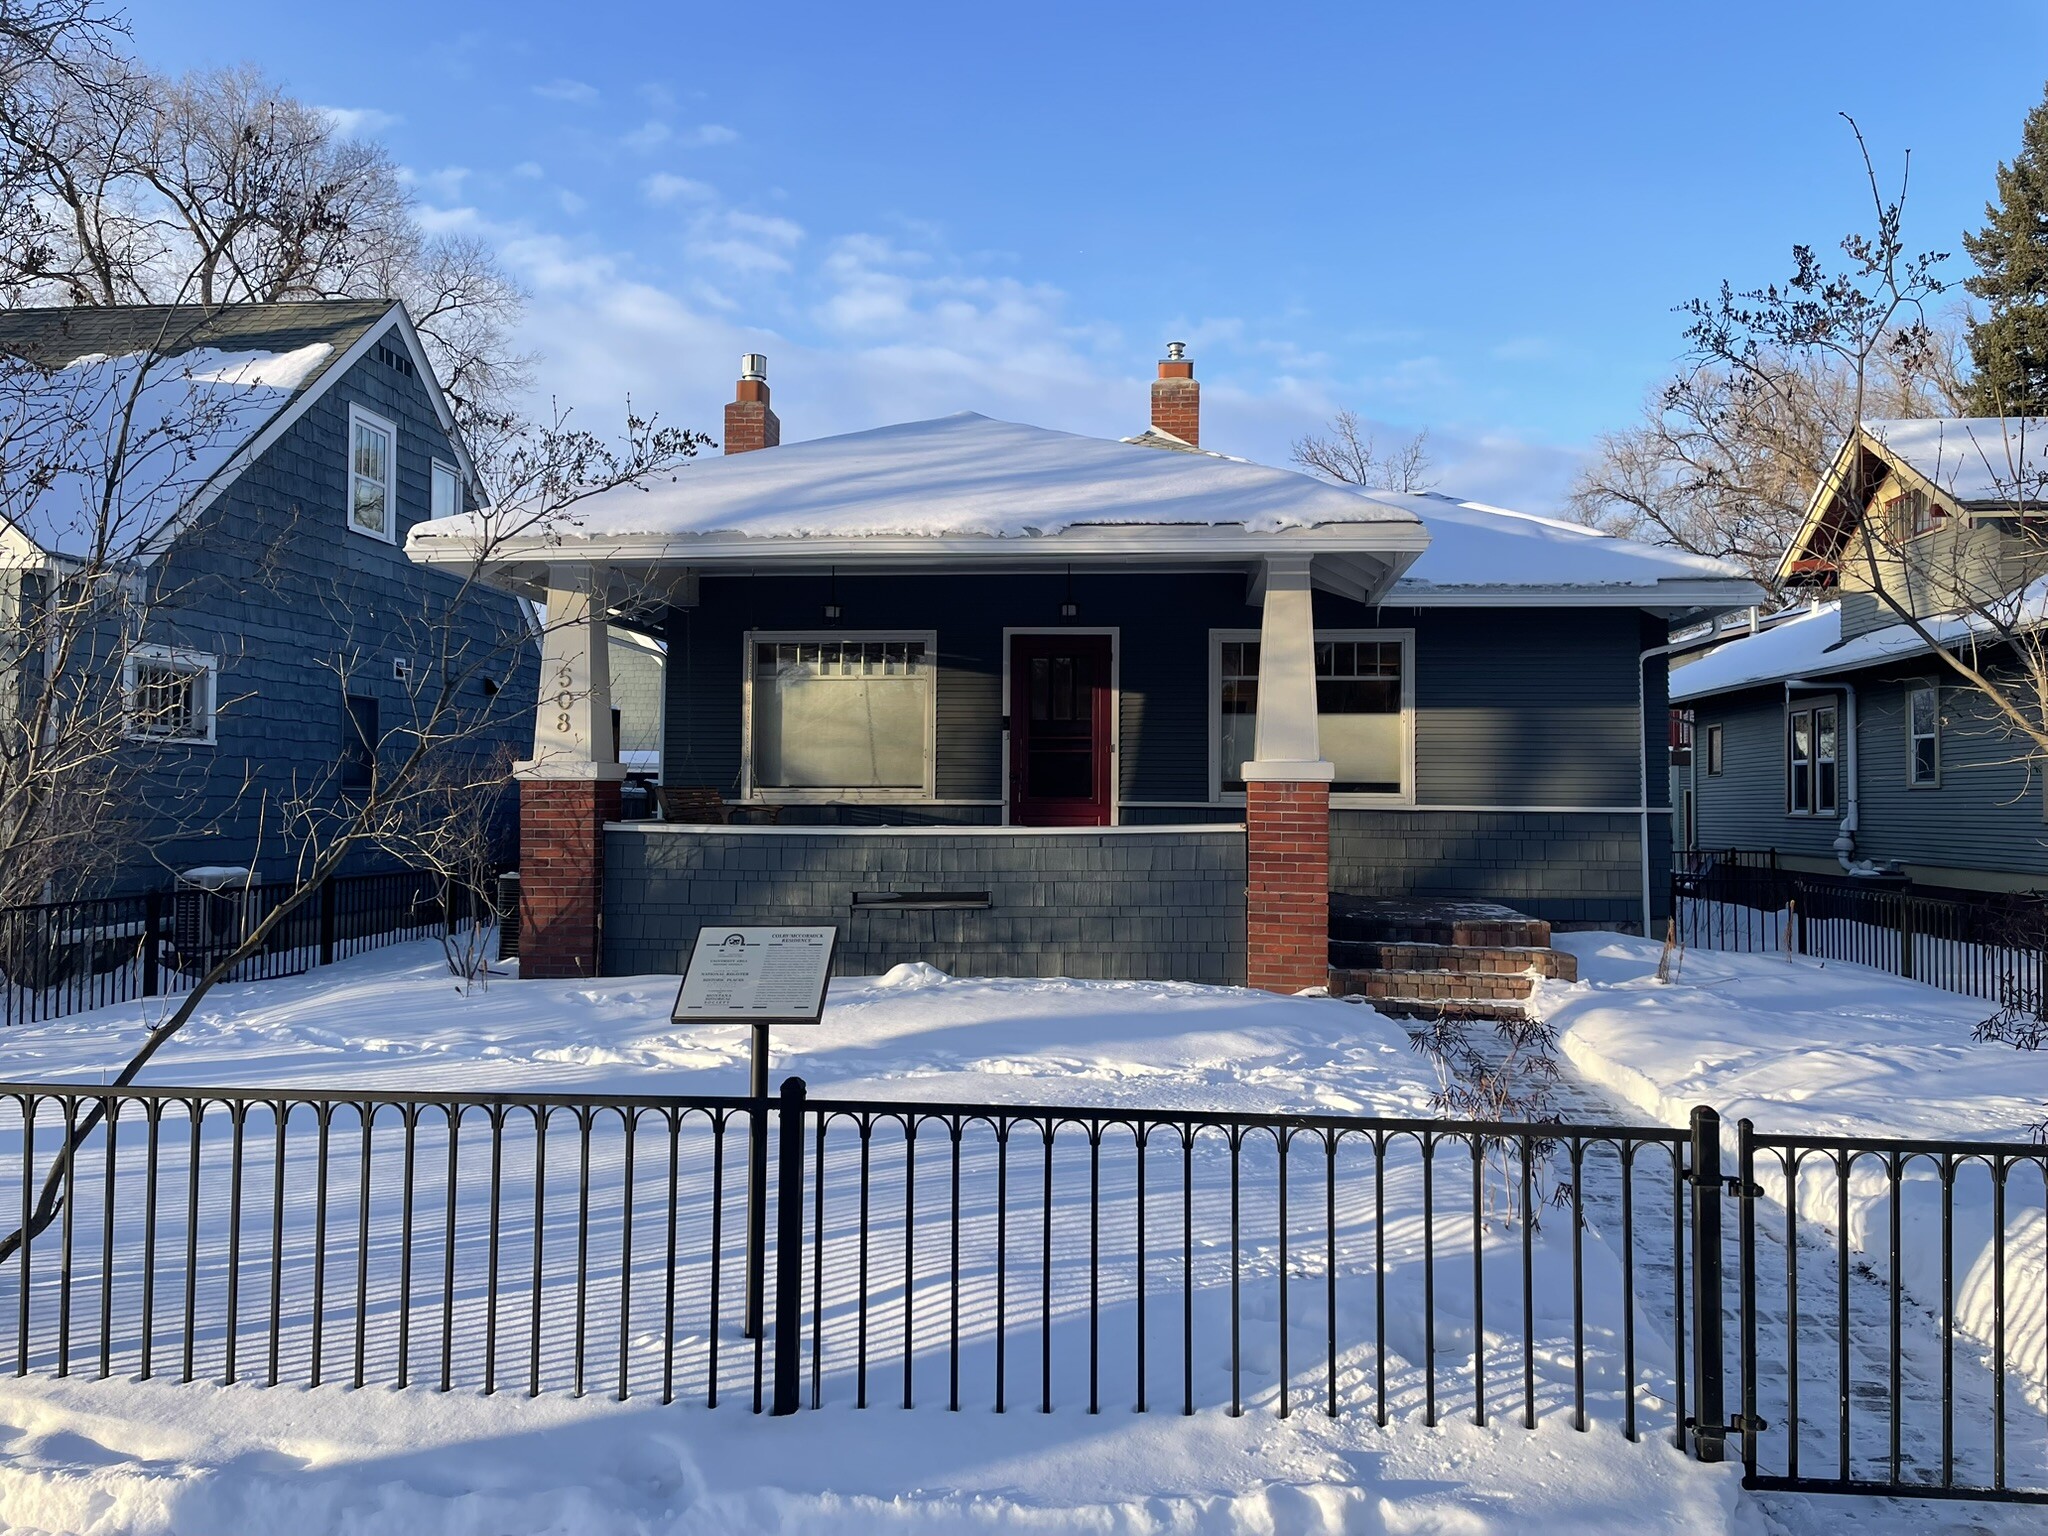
(1360, 722)
(845, 713)
(170, 697)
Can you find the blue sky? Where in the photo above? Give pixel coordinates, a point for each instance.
(1470, 218)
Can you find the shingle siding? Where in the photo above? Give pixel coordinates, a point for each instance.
(272, 581)
(1122, 905)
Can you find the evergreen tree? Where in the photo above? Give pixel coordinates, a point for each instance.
(2010, 346)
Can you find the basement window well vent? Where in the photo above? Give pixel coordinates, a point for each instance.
(920, 901)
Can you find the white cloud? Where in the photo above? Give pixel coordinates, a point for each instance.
(578, 91)
(529, 170)
(358, 122)
(705, 135)
(571, 203)
(666, 187)
(649, 135)
(867, 328)
(444, 185)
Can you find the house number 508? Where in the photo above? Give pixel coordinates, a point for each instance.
(566, 679)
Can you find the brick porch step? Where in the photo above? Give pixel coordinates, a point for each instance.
(1365, 920)
(1436, 1008)
(1492, 960)
(1431, 986)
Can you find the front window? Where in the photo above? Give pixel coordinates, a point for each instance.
(372, 476)
(1714, 750)
(169, 695)
(841, 715)
(1923, 736)
(1362, 708)
(1811, 753)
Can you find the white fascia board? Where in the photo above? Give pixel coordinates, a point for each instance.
(1114, 540)
(1689, 596)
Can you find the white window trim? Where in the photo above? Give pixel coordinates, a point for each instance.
(1344, 800)
(389, 534)
(1911, 782)
(755, 794)
(1116, 707)
(1715, 746)
(440, 467)
(186, 660)
(1813, 707)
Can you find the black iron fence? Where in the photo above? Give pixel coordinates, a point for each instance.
(1051, 1258)
(60, 958)
(1993, 945)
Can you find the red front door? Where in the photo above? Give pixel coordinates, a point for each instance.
(1059, 730)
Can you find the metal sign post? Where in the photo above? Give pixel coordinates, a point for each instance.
(760, 977)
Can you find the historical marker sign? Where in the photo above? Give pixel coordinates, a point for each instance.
(756, 976)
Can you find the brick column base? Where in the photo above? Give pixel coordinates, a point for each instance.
(1287, 906)
(561, 873)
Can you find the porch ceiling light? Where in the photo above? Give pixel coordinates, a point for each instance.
(832, 597)
(1069, 609)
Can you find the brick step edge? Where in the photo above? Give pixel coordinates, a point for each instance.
(1447, 986)
(1529, 932)
(1438, 1007)
(1496, 960)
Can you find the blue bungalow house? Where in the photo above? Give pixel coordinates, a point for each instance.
(1015, 701)
(278, 456)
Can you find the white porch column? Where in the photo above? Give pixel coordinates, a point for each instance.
(1286, 746)
(1287, 797)
(569, 788)
(572, 727)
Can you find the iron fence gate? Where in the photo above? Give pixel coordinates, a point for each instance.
(1053, 1258)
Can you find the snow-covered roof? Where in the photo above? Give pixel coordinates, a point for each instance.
(961, 476)
(179, 398)
(1974, 459)
(1473, 545)
(166, 426)
(1810, 644)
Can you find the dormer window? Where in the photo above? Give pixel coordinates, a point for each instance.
(372, 475)
(1910, 514)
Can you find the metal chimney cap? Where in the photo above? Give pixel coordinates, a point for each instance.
(754, 365)
(1176, 351)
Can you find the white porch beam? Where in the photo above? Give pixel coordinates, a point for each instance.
(572, 727)
(1286, 744)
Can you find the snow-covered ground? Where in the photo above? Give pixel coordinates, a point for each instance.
(122, 1455)
(1804, 1046)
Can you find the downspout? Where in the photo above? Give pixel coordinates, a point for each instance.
(1845, 835)
(1643, 660)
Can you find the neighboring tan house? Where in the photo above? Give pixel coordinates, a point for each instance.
(282, 454)
(1015, 701)
(1835, 734)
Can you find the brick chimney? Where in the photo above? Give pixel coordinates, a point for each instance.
(1176, 397)
(749, 423)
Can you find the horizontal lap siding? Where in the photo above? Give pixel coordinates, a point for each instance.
(1985, 815)
(1169, 906)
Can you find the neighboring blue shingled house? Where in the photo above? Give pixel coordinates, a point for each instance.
(284, 637)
